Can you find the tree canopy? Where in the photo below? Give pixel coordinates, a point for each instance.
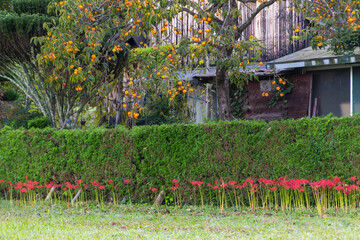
(86, 44)
(335, 24)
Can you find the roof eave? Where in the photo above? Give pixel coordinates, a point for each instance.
(314, 62)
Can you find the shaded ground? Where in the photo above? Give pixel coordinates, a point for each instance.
(146, 222)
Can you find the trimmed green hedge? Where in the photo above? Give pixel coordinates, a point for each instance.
(153, 155)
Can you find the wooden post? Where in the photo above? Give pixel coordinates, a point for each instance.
(76, 196)
(316, 107)
(310, 98)
(49, 194)
(160, 198)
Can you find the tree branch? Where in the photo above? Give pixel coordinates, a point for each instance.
(242, 28)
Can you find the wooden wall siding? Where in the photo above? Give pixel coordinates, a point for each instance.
(298, 100)
(273, 27)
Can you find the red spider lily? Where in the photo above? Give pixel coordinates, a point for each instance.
(49, 185)
(39, 186)
(224, 185)
(216, 182)
(336, 179)
(273, 189)
(216, 187)
(95, 183)
(110, 181)
(26, 177)
(302, 181)
(101, 187)
(64, 188)
(126, 181)
(79, 181)
(23, 190)
(84, 185)
(292, 184)
(30, 186)
(339, 188)
(173, 187)
(208, 184)
(32, 182)
(349, 189)
(249, 181)
(176, 184)
(174, 180)
(353, 179)
(232, 183)
(252, 190)
(198, 183)
(323, 184)
(1, 180)
(153, 189)
(267, 181)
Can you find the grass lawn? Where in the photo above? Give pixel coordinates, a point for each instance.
(146, 222)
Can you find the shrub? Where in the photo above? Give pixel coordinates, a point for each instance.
(39, 122)
(10, 95)
(314, 148)
(19, 117)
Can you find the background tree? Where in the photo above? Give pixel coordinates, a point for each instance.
(17, 53)
(216, 28)
(91, 46)
(216, 34)
(81, 54)
(335, 24)
(4, 4)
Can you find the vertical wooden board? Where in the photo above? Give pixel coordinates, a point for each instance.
(356, 90)
(274, 35)
(310, 97)
(273, 27)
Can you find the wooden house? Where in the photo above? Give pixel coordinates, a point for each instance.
(327, 83)
(322, 82)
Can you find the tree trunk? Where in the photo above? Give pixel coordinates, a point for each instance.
(223, 95)
(119, 100)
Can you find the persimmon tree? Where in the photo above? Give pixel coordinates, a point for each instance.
(82, 53)
(215, 33)
(88, 48)
(335, 24)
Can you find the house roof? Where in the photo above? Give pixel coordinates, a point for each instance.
(207, 74)
(211, 73)
(312, 58)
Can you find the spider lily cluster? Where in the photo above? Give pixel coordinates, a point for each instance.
(270, 194)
